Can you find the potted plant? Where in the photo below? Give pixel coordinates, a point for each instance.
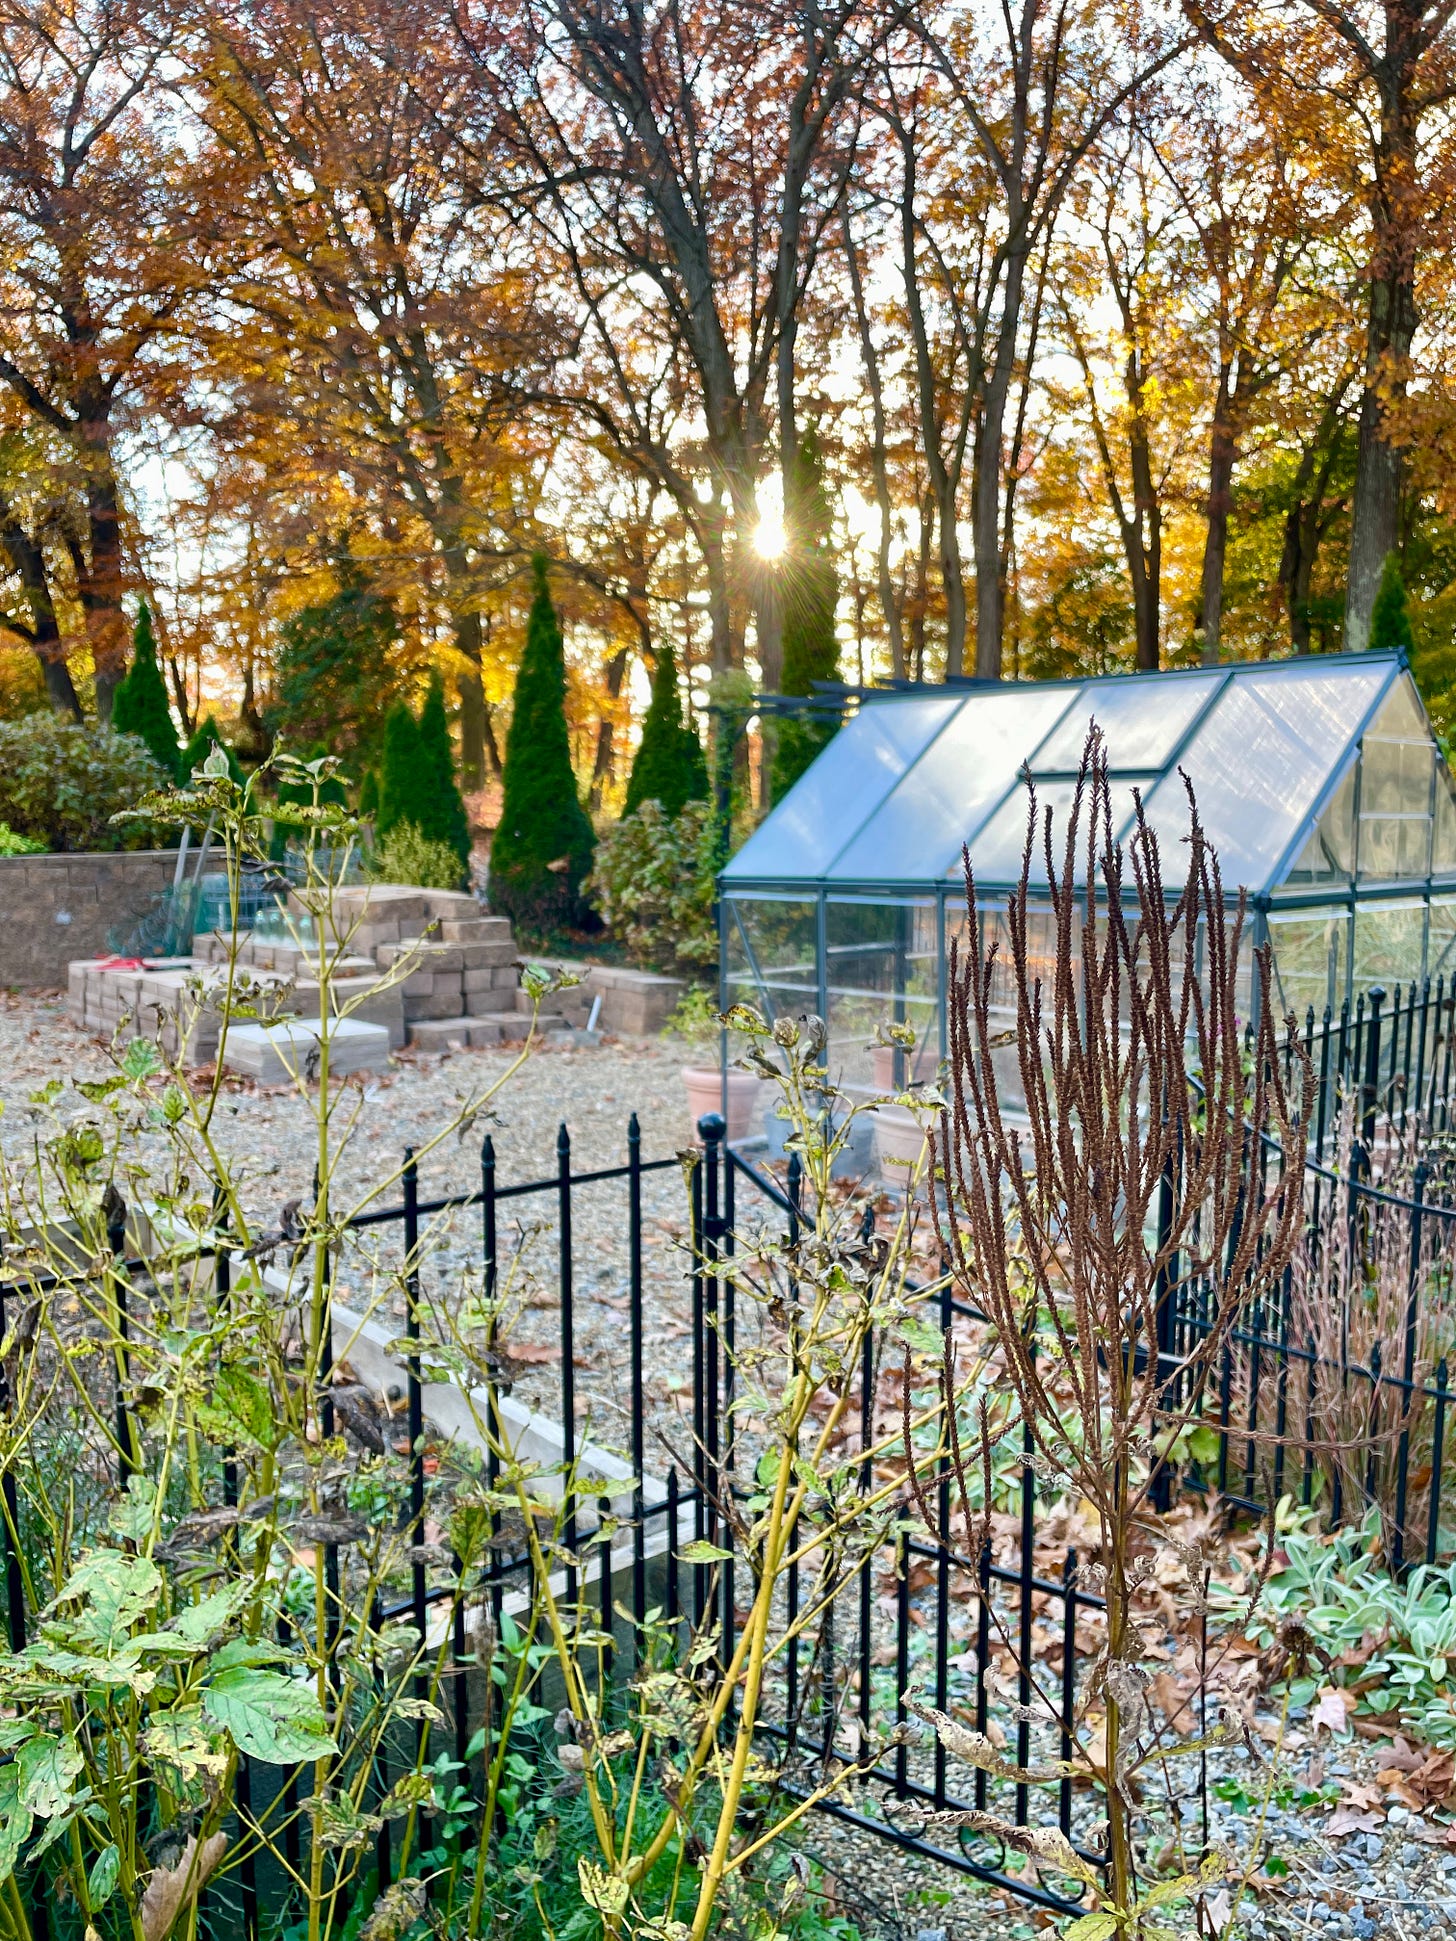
(736, 1095)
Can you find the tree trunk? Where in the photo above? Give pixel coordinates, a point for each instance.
(104, 582)
(28, 560)
(1143, 535)
(1221, 457)
(1390, 328)
(990, 458)
(879, 462)
(602, 763)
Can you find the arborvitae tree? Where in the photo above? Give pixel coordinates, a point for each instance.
(369, 796)
(543, 848)
(448, 822)
(404, 790)
(1390, 624)
(669, 766)
(340, 669)
(200, 747)
(139, 706)
(811, 597)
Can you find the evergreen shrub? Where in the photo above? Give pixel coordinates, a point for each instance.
(445, 818)
(139, 705)
(669, 767)
(543, 849)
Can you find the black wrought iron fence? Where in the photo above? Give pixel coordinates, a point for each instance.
(992, 1637)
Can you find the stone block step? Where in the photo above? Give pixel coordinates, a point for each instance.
(477, 930)
(267, 1051)
(512, 1026)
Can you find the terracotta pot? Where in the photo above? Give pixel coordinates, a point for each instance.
(705, 1094)
(899, 1142)
(882, 1067)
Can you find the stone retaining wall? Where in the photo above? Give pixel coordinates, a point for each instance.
(57, 908)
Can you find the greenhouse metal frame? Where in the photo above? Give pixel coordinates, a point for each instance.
(1319, 782)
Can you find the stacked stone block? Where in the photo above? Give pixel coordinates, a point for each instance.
(461, 984)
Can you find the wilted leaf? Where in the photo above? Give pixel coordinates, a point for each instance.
(180, 1740)
(47, 1767)
(1091, 1927)
(115, 1592)
(1333, 1710)
(171, 1889)
(607, 1893)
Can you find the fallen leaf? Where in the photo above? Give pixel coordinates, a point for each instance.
(1175, 1703)
(1345, 1820)
(1333, 1710)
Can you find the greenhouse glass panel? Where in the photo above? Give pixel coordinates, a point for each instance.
(916, 833)
(1260, 759)
(1390, 943)
(1310, 951)
(1441, 941)
(842, 787)
(1443, 836)
(772, 954)
(883, 967)
(1397, 764)
(1143, 721)
(1329, 855)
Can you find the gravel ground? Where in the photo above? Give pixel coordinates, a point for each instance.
(1394, 1878)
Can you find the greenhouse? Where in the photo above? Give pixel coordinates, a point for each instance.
(1318, 780)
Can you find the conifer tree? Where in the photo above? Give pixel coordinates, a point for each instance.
(139, 706)
(669, 767)
(369, 795)
(1390, 624)
(543, 848)
(200, 747)
(811, 598)
(403, 789)
(447, 821)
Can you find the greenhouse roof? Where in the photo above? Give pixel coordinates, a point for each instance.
(1269, 747)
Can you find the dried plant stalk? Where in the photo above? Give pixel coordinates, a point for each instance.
(1150, 1155)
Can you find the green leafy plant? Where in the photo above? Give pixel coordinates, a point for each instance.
(14, 845)
(653, 884)
(61, 784)
(694, 1018)
(1392, 1641)
(406, 855)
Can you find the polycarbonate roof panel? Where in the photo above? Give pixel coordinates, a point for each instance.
(999, 848)
(843, 786)
(1143, 718)
(1259, 762)
(913, 776)
(916, 833)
